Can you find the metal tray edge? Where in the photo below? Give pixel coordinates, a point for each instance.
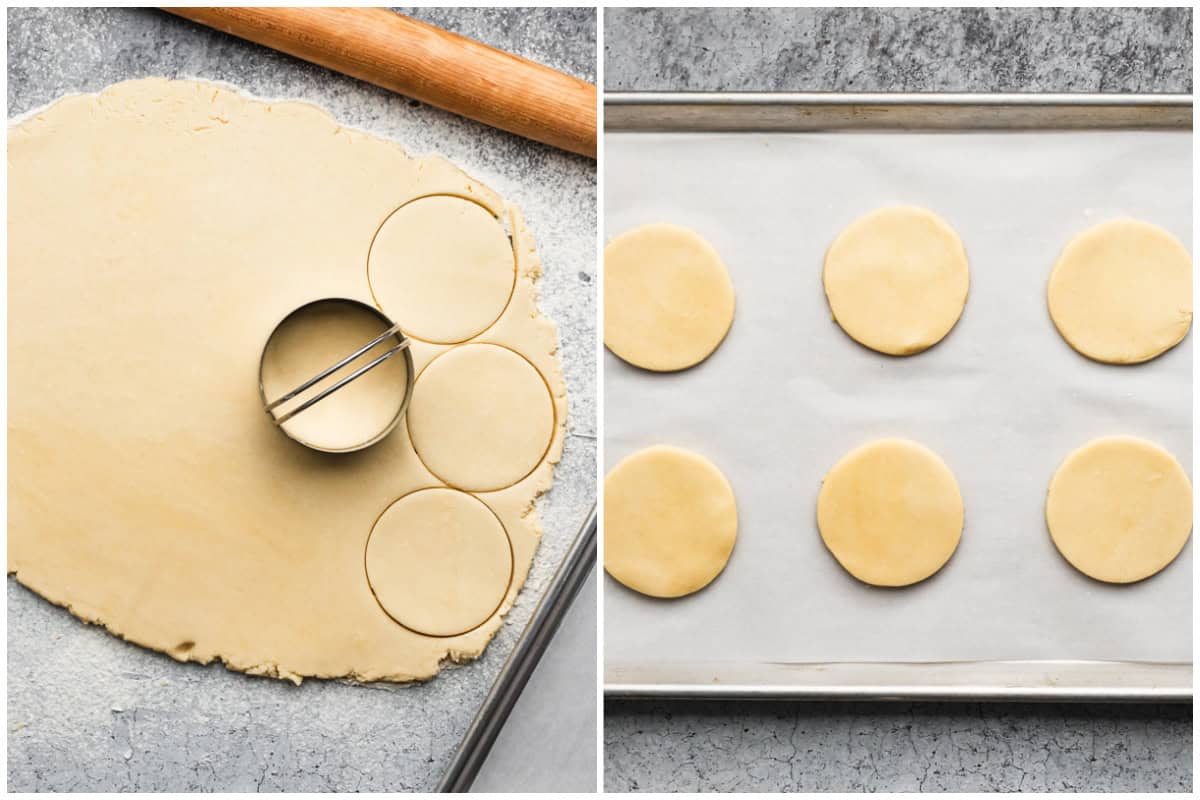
(984, 681)
(810, 111)
(972, 694)
(477, 742)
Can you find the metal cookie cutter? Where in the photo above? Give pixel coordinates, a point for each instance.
(389, 330)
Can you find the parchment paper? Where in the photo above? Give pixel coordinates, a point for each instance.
(1003, 399)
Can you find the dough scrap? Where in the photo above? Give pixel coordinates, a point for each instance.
(668, 299)
(485, 438)
(1119, 509)
(148, 491)
(473, 279)
(1121, 292)
(897, 280)
(670, 522)
(312, 340)
(890, 512)
(439, 562)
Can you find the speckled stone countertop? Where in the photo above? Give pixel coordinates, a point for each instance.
(898, 50)
(87, 712)
(722, 746)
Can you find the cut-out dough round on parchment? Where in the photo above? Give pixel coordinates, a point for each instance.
(148, 491)
(897, 279)
(1119, 509)
(668, 299)
(670, 521)
(890, 512)
(1121, 292)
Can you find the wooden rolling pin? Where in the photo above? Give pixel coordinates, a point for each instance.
(427, 63)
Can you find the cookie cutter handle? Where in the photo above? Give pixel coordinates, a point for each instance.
(400, 344)
(313, 381)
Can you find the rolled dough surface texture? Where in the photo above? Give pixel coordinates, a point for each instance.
(484, 439)
(890, 512)
(668, 299)
(158, 231)
(1119, 509)
(439, 561)
(1121, 292)
(474, 273)
(897, 279)
(670, 522)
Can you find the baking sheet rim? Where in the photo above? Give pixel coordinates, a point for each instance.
(1009, 681)
(801, 111)
(1064, 680)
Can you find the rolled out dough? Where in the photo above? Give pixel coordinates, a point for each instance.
(439, 562)
(1119, 509)
(158, 232)
(481, 417)
(474, 271)
(897, 279)
(310, 341)
(1121, 292)
(670, 522)
(668, 300)
(890, 512)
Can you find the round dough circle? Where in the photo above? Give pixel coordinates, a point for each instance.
(890, 512)
(442, 267)
(668, 300)
(897, 280)
(670, 522)
(1119, 509)
(439, 562)
(1121, 292)
(481, 417)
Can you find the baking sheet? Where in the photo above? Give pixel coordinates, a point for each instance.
(492, 747)
(1003, 399)
(565, 732)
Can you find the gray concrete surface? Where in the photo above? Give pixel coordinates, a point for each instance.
(89, 712)
(896, 747)
(899, 49)
(708, 746)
